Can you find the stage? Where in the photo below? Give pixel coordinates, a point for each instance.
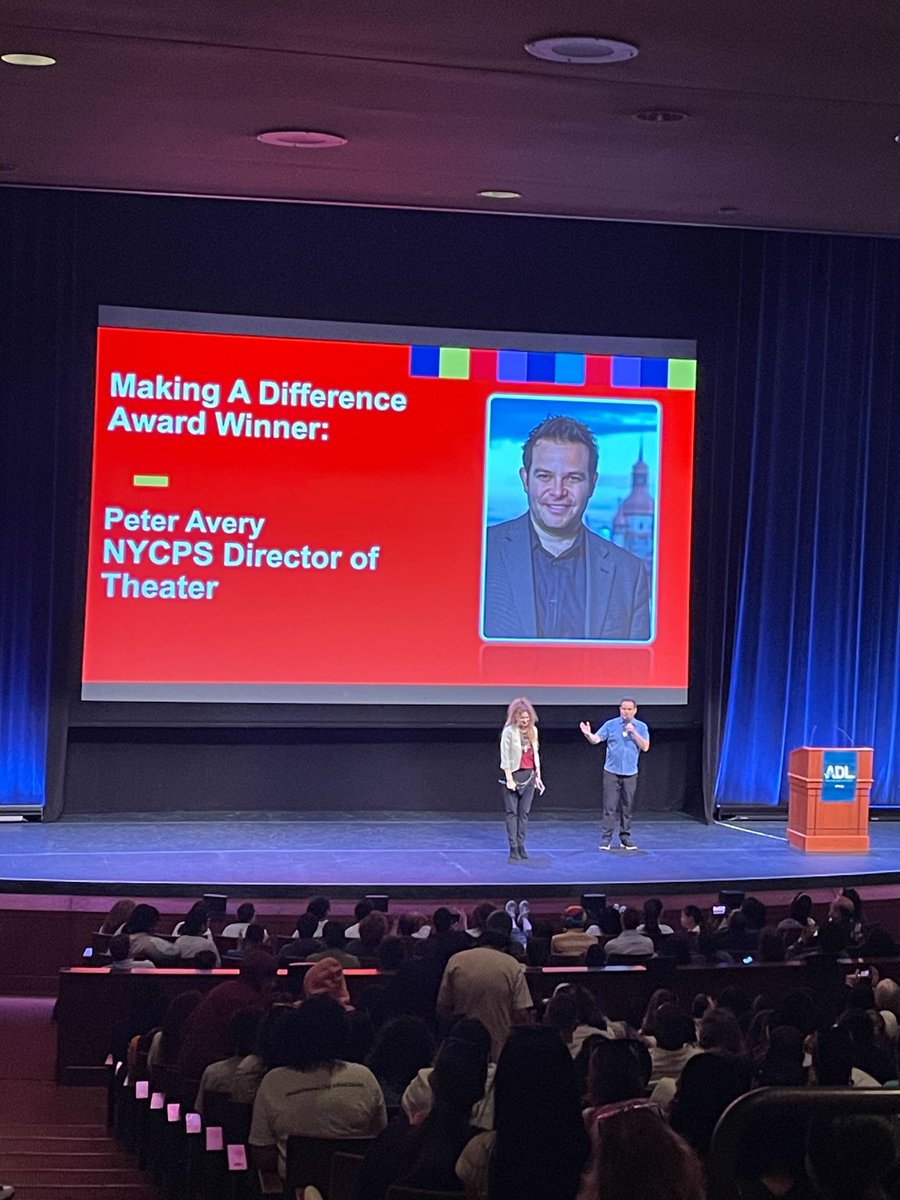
(424, 856)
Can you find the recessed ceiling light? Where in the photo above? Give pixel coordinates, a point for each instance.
(584, 51)
(897, 137)
(494, 195)
(301, 139)
(659, 116)
(28, 60)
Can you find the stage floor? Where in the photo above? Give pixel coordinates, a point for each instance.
(281, 854)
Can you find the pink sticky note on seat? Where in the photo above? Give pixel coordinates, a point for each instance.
(214, 1140)
(237, 1158)
(141, 1089)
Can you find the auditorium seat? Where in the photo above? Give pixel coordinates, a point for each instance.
(309, 1161)
(345, 1169)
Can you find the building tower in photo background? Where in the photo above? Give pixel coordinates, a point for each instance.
(633, 523)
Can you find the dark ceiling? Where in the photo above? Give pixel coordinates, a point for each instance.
(792, 105)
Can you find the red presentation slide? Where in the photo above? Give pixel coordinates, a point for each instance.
(282, 511)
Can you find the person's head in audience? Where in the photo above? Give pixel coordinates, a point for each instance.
(460, 1074)
(631, 918)
(801, 908)
(798, 1009)
(243, 1031)
(842, 909)
(391, 954)
(691, 919)
(754, 912)
(660, 997)
(117, 916)
(119, 948)
(443, 920)
(574, 917)
(362, 908)
(653, 910)
(196, 922)
(610, 921)
(315, 1034)
(255, 937)
(674, 1028)
(205, 960)
(637, 1155)
(326, 978)
(740, 938)
(851, 894)
(373, 929)
(144, 919)
(497, 930)
(707, 945)
(887, 996)
(590, 1008)
(269, 1043)
(480, 915)
(174, 1024)
(832, 939)
(783, 1062)
(473, 1031)
(408, 924)
(402, 1048)
(618, 1070)
(701, 1005)
(719, 1030)
(878, 943)
(333, 935)
(736, 1000)
(541, 1144)
(257, 970)
(707, 1085)
(562, 1011)
(852, 1156)
(832, 1057)
(771, 946)
(320, 907)
(307, 925)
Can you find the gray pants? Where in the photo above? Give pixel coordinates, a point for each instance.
(517, 806)
(618, 801)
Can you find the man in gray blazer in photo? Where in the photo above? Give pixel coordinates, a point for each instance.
(549, 577)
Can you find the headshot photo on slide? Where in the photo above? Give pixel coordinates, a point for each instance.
(570, 539)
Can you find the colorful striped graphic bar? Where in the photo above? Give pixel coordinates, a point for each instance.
(539, 366)
(159, 481)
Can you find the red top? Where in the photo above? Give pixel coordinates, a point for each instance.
(527, 763)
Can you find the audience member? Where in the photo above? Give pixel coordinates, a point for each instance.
(208, 1035)
(424, 1155)
(403, 1047)
(319, 907)
(574, 941)
(165, 1047)
(140, 926)
(488, 984)
(304, 941)
(417, 1100)
(479, 918)
(539, 1146)
(719, 1030)
(316, 1093)
(852, 1156)
(333, 943)
(373, 929)
(392, 953)
(206, 960)
(263, 1056)
(653, 910)
(246, 915)
(446, 937)
(618, 1072)
(708, 1084)
(691, 920)
(630, 943)
(799, 916)
(199, 906)
(361, 909)
(120, 955)
(876, 1060)
(114, 921)
(219, 1076)
(326, 978)
(637, 1155)
(782, 1065)
(648, 1023)
(675, 1043)
(192, 936)
(771, 947)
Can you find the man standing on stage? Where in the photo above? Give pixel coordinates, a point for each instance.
(625, 739)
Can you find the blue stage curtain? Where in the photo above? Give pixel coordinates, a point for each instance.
(813, 455)
(36, 385)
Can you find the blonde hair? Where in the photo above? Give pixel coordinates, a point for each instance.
(515, 708)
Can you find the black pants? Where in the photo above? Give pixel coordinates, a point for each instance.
(618, 801)
(517, 806)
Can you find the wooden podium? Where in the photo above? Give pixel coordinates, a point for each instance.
(829, 798)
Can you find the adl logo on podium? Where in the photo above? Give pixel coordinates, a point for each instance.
(839, 771)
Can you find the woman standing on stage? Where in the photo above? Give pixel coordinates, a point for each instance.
(520, 762)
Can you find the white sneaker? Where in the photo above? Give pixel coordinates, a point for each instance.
(605, 846)
(7, 1191)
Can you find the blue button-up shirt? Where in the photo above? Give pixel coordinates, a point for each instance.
(622, 752)
(560, 589)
